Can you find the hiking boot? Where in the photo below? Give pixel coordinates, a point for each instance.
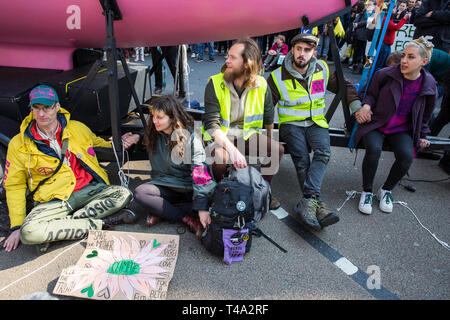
(274, 203)
(365, 202)
(123, 216)
(194, 225)
(152, 220)
(386, 200)
(325, 216)
(306, 211)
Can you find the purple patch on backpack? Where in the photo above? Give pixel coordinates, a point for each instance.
(234, 242)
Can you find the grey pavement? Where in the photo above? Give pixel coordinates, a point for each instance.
(392, 250)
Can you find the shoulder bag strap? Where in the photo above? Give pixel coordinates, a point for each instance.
(65, 145)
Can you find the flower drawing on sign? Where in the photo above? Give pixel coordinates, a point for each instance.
(127, 268)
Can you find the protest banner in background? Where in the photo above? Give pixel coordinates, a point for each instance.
(122, 265)
(402, 36)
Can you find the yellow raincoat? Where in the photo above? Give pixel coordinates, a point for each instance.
(26, 165)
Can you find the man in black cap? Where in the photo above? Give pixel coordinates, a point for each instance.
(298, 90)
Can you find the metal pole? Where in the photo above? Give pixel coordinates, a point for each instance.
(341, 95)
(113, 88)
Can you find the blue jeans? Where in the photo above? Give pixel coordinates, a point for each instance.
(201, 48)
(324, 45)
(385, 51)
(298, 142)
(194, 48)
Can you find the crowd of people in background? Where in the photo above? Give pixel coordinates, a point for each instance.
(429, 17)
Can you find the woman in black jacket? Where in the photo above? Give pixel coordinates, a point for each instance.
(360, 36)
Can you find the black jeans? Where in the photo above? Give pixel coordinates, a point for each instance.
(402, 145)
(163, 201)
(360, 52)
(171, 59)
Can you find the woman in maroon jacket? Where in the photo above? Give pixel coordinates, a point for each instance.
(278, 48)
(397, 107)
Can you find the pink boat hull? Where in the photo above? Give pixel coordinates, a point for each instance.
(42, 34)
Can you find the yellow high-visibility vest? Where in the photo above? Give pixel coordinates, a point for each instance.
(299, 103)
(253, 109)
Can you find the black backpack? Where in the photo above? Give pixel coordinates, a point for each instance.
(232, 204)
(232, 208)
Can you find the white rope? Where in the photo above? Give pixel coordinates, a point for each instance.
(404, 204)
(187, 73)
(41, 267)
(352, 194)
(124, 180)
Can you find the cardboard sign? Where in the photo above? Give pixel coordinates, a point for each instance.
(122, 265)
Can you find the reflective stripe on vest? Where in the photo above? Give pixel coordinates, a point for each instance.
(300, 104)
(253, 109)
(301, 113)
(225, 123)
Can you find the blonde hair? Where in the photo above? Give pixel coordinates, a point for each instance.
(425, 46)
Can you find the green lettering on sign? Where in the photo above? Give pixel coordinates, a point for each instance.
(124, 267)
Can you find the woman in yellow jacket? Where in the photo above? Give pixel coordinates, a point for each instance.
(77, 197)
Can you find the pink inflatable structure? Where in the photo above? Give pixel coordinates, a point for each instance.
(44, 33)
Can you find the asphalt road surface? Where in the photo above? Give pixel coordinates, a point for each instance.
(381, 256)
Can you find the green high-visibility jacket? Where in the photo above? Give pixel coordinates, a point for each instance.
(298, 103)
(253, 110)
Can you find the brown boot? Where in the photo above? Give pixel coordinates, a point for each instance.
(274, 203)
(194, 225)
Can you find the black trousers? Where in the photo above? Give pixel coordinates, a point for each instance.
(171, 59)
(360, 51)
(402, 145)
(163, 201)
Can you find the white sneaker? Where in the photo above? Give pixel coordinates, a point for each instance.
(365, 202)
(386, 200)
(193, 55)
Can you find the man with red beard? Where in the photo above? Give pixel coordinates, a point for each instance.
(238, 105)
(298, 90)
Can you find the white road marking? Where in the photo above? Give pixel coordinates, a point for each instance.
(345, 265)
(342, 263)
(280, 213)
